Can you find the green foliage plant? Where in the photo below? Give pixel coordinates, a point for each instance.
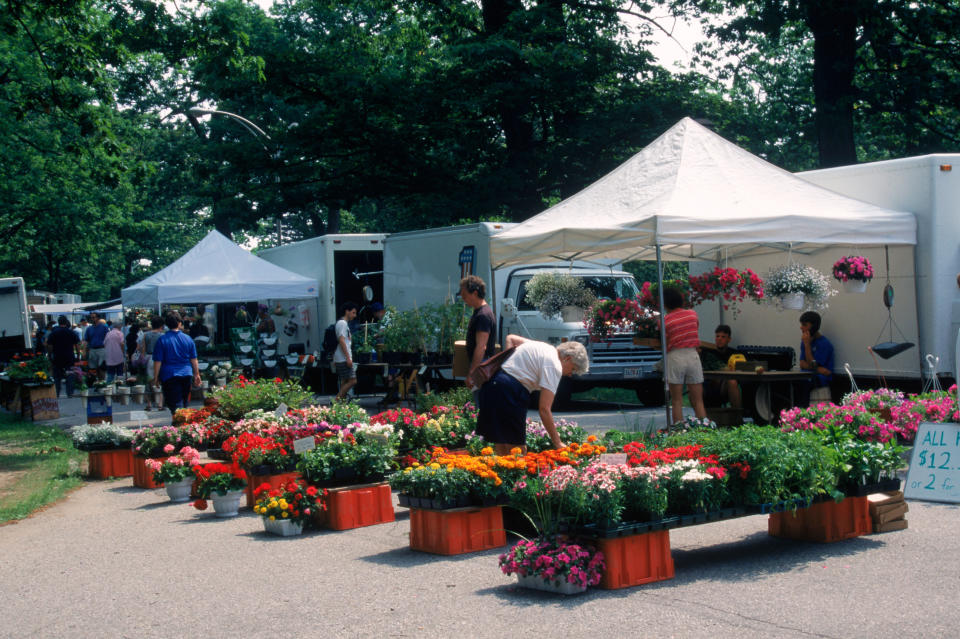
(550, 292)
(240, 396)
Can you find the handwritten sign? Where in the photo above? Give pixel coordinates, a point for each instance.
(613, 458)
(303, 444)
(934, 473)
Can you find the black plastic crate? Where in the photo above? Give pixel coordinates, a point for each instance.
(777, 358)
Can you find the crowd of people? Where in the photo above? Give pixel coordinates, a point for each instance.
(159, 350)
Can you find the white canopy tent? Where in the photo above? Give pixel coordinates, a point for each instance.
(689, 194)
(215, 271)
(692, 195)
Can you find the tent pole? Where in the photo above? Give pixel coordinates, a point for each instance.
(663, 335)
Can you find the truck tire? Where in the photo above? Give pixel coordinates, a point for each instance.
(651, 393)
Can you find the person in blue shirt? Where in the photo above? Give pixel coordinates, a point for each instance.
(93, 342)
(175, 364)
(816, 354)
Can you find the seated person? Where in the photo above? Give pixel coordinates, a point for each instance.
(718, 391)
(816, 354)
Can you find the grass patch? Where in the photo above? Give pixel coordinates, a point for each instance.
(38, 466)
(611, 395)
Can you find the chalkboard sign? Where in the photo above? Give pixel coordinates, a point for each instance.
(934, 473)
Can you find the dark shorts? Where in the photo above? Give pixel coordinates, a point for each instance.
(345, 373)
(503, 411)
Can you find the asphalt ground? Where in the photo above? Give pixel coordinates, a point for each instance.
(112, 560)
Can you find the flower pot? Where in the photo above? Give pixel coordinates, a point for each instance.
(825, 522)
(227, 505)
(221, 381)
(158, 398)
(361, 506)
(179, 491)
(636, 559)
(108, 395)
(138, 392)
(292, 359)
(792, 301)
(268, 352)
(572, 314)
(256, 478)
(561, 588)
(855, 286)
(123, 395)
(143, 476)
(282, 527)
(204, 384)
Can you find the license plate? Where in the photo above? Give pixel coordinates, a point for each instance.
(631, 372)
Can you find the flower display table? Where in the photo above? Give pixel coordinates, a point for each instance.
(115, 462)
(636, 559)
(824, 522)
(358, 506)
(457, 531)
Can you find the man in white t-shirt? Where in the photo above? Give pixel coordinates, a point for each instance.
(504, 398)
(343, 356)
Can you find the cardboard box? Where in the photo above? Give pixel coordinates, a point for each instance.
(896, 524)
(461, 362)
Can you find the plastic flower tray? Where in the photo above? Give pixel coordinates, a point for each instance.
(457, 531)
(780, 506)
(884, 486)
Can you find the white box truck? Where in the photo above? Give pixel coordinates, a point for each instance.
(926, 304)
(929, 187)
(344, 265)
(15, 334)
(426, 267)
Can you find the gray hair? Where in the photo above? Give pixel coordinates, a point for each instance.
(577, 353)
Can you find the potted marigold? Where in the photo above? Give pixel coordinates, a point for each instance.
(223, 484)
(175, 472)
(288, 509)
(853, 272)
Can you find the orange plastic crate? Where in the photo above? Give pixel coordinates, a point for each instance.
(143, 476)
(457, 531)
(255, 481)
(635, 559)
(356, 506)
(825, 522)
(110, 463)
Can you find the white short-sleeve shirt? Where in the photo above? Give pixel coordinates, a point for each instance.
(536, 365)
(343, 330)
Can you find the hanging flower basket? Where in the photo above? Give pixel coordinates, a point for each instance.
(853, 271)
(781, 281)
(792, 301)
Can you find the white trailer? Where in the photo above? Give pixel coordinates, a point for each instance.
(15, 334)
(929, 187)
(344, 265)
(426, 267)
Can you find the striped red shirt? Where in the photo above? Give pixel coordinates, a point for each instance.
(683, 329)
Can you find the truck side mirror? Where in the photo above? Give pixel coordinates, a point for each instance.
(508, 309)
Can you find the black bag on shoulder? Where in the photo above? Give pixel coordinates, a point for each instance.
(489, 367)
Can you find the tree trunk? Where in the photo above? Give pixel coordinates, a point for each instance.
(834, 27)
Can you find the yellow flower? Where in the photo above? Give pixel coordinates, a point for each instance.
(434, 465)
(407, 469)
(272, 518)
(284, 514)
(282, 503)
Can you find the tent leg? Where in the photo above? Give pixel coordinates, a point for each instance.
(663, 338)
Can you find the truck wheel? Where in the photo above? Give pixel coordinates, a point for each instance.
(651, 393)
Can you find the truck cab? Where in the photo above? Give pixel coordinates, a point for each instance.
(617, 362)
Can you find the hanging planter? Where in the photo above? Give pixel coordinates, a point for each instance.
(792, 301)
(853, 272)
(855, 286)
(782, 285)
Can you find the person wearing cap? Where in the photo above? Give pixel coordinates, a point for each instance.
(377, 311)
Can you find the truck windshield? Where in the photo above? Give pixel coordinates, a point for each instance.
(603, 286)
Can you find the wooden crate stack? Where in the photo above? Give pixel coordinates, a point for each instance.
(888, 511)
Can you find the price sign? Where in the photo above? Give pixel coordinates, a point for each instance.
(934, 473)
(303, 444)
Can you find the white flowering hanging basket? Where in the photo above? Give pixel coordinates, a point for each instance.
(797, 286)
(792, 301)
